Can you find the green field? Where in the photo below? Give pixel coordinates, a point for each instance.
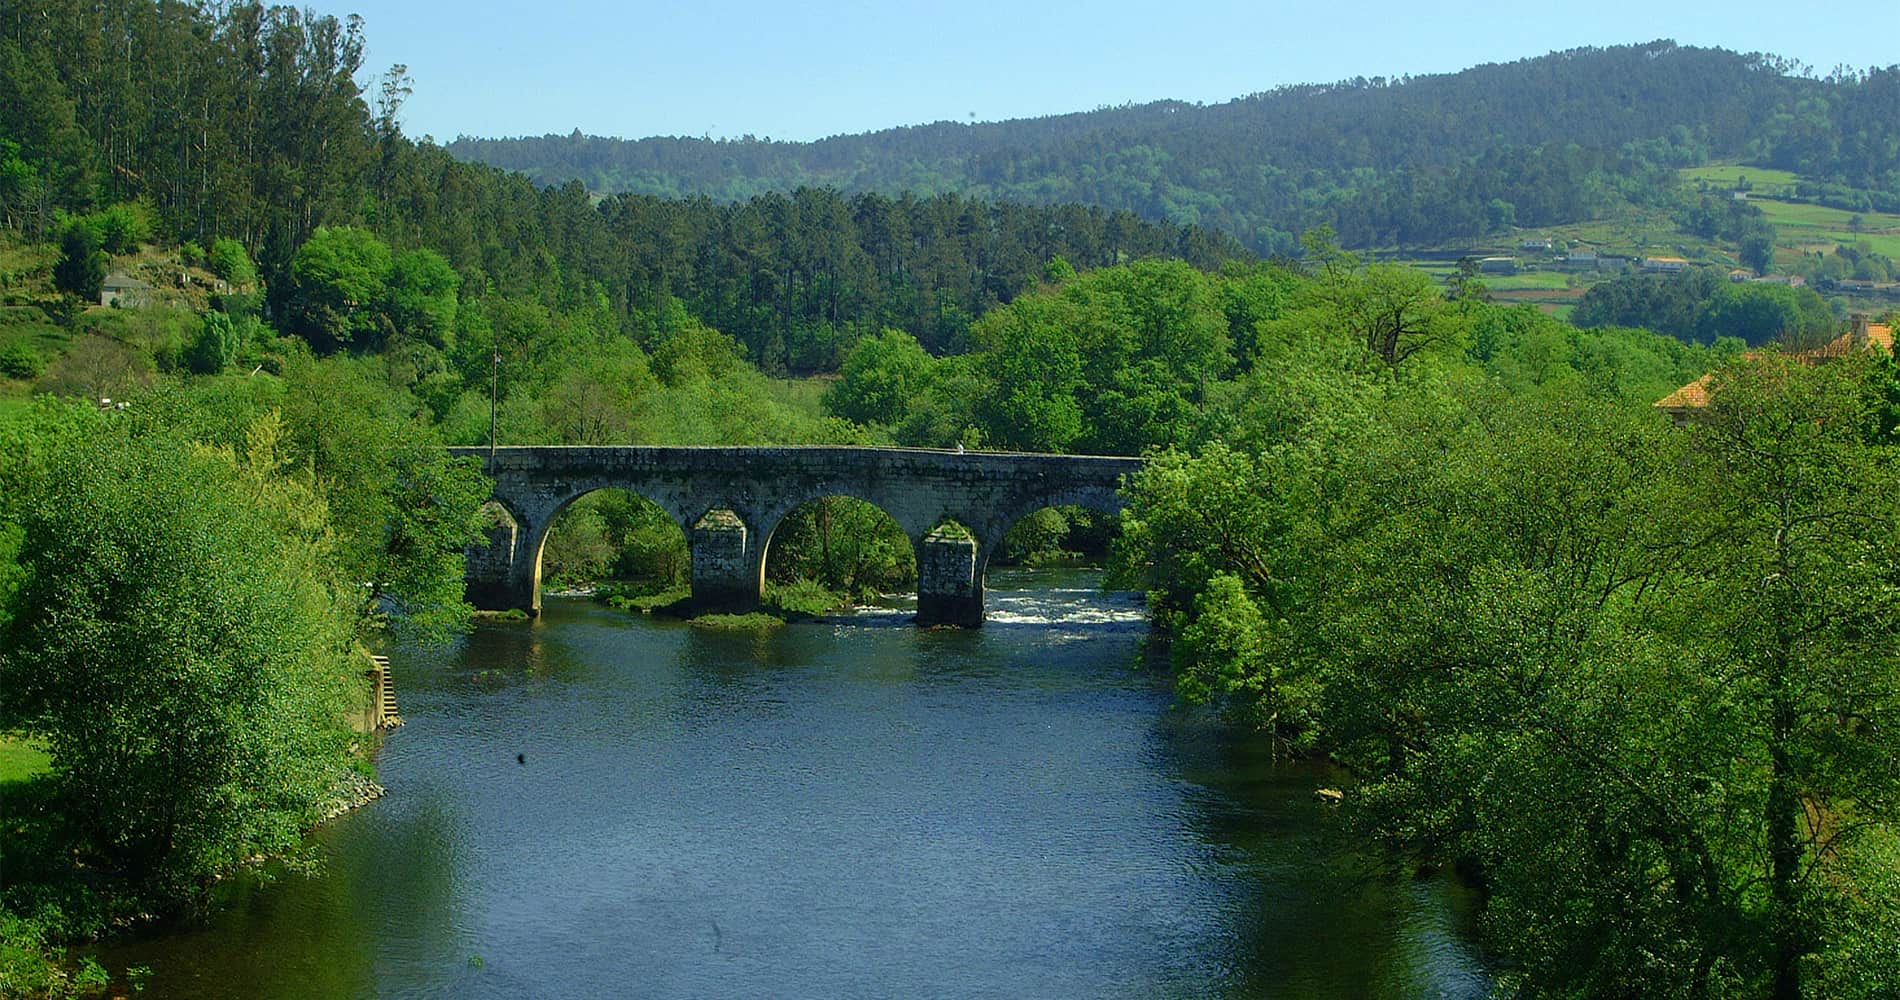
(1531, 281)
(1642, 231)
(1760, 179)
(1802, 227)
(20, 263)
(1820, 227)
(1803, 216)
(802, 394)
(20, 759)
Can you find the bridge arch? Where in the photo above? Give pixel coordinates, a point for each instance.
(842, 521)
(1060, 530)
(645, 541)
(535, 513)
(1103, 498)
(953, 560)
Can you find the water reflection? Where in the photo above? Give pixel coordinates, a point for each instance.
(598, 804)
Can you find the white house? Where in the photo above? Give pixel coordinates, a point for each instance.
(121, 289)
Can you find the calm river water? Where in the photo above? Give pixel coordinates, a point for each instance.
(845, 809)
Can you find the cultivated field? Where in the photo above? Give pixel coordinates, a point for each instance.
(1539, 281)
(1761, 181)
(1798, 226)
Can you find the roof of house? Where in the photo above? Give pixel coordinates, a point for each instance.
(1843, 345)
(1695, 395)
(119, 279)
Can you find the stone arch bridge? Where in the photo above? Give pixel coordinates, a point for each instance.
(730, 501)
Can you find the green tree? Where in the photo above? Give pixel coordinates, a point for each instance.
(31, 439)
(404, 510)
(231, 263)
(593, 396)
(1394, 311)
(81, 270)
(340, 279)
(182, 647)
(1033, 362)
(1759, 313)
(844, 544)
(421, 297)
(215, 346)
(123, 227)
(881, 378)
(1758, 251)
(19, 360)
(943, 414)
(1222, 653)
(37, 110)
(1799, 617)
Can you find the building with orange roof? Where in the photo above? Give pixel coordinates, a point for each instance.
(1861, 336)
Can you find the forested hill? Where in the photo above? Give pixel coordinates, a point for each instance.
(1409, 161)
(181, 126)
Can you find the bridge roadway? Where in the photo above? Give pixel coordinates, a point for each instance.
(730, 501)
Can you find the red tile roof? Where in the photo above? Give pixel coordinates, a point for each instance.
(1695, 395)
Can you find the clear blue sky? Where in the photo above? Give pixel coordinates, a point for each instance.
(806, 70)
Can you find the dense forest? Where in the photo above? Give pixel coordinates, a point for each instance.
(1639, 682)
(247, 124)
(1416, 161)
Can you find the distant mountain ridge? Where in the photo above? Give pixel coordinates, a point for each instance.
(1385, 162)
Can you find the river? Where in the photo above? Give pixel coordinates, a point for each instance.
(598, 804)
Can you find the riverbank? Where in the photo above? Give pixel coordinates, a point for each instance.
(55, 895)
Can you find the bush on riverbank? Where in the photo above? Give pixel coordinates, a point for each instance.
(755, 621)
(178, 633)
(1638, 676)
(31, 967)
(808, 597)
(642, 597)
(796, 598)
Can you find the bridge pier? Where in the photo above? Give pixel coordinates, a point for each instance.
(726, 574)
(497, 578)
(949, 586)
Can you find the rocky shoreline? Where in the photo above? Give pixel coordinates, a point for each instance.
(353, 792)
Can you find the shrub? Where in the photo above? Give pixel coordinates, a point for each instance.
(230, 261)
(81, 270)
(215, 346)
(21, 361)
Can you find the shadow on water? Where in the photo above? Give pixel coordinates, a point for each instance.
(595, 804)
(1322, 916)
